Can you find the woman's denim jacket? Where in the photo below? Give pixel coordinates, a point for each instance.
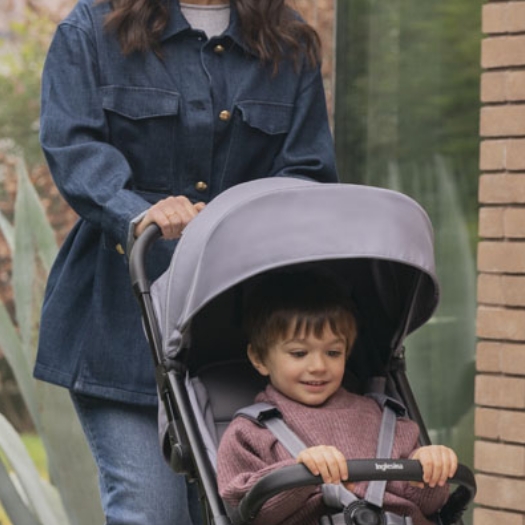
(121, 132)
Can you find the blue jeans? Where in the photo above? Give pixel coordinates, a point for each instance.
(137, 486)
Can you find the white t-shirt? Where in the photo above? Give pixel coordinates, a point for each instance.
(212, 19)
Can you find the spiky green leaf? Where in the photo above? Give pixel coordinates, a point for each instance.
(24, 258)
(39, 499)
(12, 348)
(41, 231)
(12, 502)
(7, 231)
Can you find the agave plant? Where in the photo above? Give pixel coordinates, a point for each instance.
(71, 497)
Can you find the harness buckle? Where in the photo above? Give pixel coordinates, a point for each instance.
(362, 513)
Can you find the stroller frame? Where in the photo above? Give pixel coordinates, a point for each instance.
(187, 453)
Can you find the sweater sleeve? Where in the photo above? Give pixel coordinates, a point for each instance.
(246, 454)
(428, 500)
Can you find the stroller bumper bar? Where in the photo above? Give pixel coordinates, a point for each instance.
(360, 470)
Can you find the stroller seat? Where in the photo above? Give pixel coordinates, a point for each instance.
(221, 390)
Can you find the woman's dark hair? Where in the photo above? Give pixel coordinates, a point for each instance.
(269, 28)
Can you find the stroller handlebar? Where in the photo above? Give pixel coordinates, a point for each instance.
(360, 470)
(137, 258)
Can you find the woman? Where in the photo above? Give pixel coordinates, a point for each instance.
(150, 108)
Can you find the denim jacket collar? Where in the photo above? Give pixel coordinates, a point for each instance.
(178, 23)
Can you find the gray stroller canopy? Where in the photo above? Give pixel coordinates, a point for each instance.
(379, 241)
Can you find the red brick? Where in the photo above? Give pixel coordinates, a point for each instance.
(492, 155)
(503, 17)
(497, 357)
(515, 86)
(487, 423)
(488, 356)
(499, 458)
(498, 424)
(511, 426)
(499, 223)
(494, 18)
(503, 121)
(501, 257)
(514, 223)
(489, 289)
(504, 290)
(512, 358)
(516, 17)
(500, 323)
(503, 392)
(483, 516)
(491, 225)
(494, 86)
(515, 154)
(502, 189)
(501, 493)
(502, 51)
(502, 86)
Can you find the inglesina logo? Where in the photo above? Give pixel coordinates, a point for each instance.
(389, 466)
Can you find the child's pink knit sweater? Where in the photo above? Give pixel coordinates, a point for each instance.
(347, 421)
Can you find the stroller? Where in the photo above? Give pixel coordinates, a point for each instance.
(378, 241)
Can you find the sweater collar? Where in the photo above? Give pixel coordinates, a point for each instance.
(341, 399)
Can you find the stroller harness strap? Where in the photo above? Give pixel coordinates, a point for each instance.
(268, 416)
(337, 496)
(385, 443)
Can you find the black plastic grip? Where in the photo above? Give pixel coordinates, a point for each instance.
(137, 258)
(360, 470)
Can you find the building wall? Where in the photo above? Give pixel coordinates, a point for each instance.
(500, 383)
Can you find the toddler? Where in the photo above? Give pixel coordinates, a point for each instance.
(301, 328)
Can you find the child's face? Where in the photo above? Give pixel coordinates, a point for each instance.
(305, 368)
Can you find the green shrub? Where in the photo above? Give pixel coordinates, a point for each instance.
(22, 55)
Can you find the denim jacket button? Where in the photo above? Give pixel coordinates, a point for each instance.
(201, 186)
(225, 115)
(218, 49)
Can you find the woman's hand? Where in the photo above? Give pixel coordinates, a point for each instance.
(439, 464)
(328, 462)
(172, 215)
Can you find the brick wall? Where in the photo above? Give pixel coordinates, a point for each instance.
(500, 384)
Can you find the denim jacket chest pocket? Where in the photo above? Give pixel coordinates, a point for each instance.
(260, 130)
(142, 125)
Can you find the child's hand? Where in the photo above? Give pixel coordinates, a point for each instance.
(328, 462)
(439, 464)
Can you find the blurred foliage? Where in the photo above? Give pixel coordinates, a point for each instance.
(22, 54)
(407, 89)
(69, 496)
(407, 118)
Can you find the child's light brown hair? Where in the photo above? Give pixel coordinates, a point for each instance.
(305, 301)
